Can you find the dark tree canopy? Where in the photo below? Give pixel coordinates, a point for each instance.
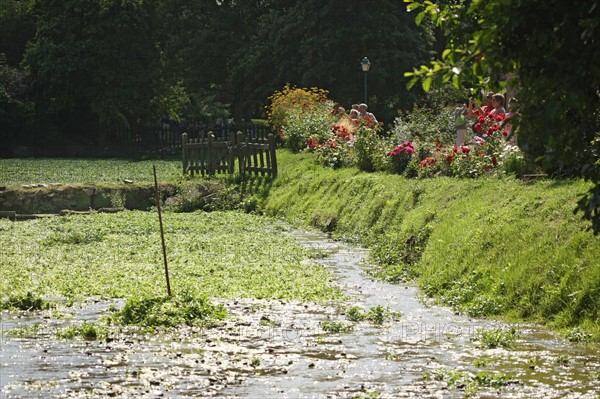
(98, 68)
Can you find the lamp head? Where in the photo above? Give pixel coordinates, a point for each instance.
(365, 64)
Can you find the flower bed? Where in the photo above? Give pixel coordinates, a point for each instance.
(313, 125)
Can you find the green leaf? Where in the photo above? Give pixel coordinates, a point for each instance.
(412, 6)
(427, 84)
(411, 83)
(455, 82)
(419, 17)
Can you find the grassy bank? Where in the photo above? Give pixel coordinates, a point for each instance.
(489, 247)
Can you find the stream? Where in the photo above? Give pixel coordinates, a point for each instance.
(280, 349)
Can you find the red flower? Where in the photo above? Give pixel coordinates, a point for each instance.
(477, 127)
(426, 162)
(449, 158)
(466, 150)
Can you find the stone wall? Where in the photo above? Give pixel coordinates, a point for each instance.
(52, 198)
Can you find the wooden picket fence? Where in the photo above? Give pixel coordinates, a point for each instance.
(208, 155)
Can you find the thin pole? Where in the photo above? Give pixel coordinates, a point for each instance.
(366, 101)
(162, 234)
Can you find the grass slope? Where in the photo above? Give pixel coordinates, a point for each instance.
(489, 247)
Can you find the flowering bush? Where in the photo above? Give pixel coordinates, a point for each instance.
(425, 124)
(370, 149)
(336, 151)
(307, 120)
(311, 125)
(289, 98)
(401, 156)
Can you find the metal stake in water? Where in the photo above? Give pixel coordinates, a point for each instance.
(162, 234)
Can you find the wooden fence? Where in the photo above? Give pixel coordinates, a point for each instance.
(208, 154)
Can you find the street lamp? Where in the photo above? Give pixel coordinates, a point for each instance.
(366, 65)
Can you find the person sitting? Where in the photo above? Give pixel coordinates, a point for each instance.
(354, 117)
(498, 104)
(478, 111)
(368, 117)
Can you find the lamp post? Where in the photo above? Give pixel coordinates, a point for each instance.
(366, 65)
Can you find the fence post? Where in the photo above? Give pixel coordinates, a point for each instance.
(241, 148)
(272, 153)
(210, 154)
(184, 141)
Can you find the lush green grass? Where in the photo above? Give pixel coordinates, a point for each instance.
(86, 171)
(218, 254)
(489, 247)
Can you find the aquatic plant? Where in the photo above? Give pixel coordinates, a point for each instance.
(165, 311)
(494, 338)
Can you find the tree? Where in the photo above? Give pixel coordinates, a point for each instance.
(547, 51)
(322, 42)
(17, 27)
(97, 65)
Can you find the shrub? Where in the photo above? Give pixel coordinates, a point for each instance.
(290, 98)
(370, 150)
(425, 124)
(400, 157)
(307, 120)
(337, 150)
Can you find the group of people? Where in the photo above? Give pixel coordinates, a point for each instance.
(494, 105)
(358, 114)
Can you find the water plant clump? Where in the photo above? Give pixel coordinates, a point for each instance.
(217, 254)
(467, 381)
(27, 301)
(495, 338)
(182, 309)
(86, 331)
(376, 314)
(336, 327)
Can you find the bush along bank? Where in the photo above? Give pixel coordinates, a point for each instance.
(493, 247)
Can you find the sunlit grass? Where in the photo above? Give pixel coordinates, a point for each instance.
(86, 171)
(489, 247)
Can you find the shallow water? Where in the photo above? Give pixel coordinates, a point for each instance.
(279, 349)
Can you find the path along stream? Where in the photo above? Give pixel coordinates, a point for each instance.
(279, 349)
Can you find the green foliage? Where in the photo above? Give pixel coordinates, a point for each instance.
(577, 334)
(425, 124)
(99, 60)
(558, 105)
(180, 309)
(468, 381)
(320, 31)
(292, 99)
(305, 120)
(17, 112)
(376, 315)
(336, 327)
(495, 338)
(370, 150)
(355, 313)
(217, 254)
(27, 301)
(485, 246)
(86, 331)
